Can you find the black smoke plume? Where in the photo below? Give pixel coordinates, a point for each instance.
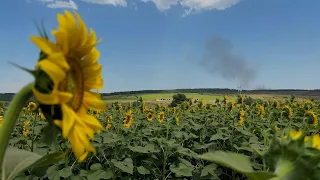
(220, 59)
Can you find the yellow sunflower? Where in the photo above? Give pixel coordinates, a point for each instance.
(288, 111)
(295, 134)
(312, 115)
(176, 110)
(161, 117)
(41, 115)
(260, 110)
(72, 65)
(241, 117)
(109, 125)
(177, 121)
(128, 119)
(150, 116)
(31, 106)
(25, 131)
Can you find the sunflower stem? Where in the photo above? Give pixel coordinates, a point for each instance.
(11, 116)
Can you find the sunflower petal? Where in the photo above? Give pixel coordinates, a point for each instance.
(68, 119)
(91, 101)
(55, 72)
(44, 44)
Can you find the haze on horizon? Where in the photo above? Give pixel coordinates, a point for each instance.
(177, 44)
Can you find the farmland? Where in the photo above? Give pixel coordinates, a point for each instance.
(159, 142)
(207, 97)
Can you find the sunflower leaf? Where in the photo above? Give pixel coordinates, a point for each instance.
(17, 161)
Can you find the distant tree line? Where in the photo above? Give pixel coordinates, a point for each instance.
(316, 92)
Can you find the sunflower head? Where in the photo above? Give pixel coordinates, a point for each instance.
(110, 118)
(177, 121)
(295, 134)
(67, 71)
(128, 120)
(31, 106)
(312, 117)
(150, 116)
(161, 117)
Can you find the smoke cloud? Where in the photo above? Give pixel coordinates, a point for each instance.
(220, 59)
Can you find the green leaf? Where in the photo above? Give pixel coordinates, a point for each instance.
(177, 134)
(17, 161)
(187, 152)
(100, 174)
(142, 170)
(49, 133)
(65, 172)
(49, 159)
(146, 149)
(96, 166)
(53, 173)
(77, 178)
(125, 165)
(216, 137)
(238, 162)
(209, 169)
(182, 170)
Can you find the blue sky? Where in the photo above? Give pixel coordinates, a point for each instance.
(161, 44)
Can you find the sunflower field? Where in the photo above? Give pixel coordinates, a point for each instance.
(58, 126)
(140, 142)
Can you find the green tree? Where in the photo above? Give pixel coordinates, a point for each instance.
(178, 99)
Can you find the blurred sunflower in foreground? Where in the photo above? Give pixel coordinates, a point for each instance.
(66, 72)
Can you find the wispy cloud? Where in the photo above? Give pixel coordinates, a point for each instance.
(65, 4)
(71, 4)
(109, 2)
(191, 6)
(163, 5)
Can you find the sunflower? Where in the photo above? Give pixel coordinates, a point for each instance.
(276, 104)
(41, 115)
(260, 110)
(295, 134)
(161, 117)
(72, 65)
(316, 141)
(176, 110)
(128, 119)
(288, 111)
(31, 106)
(177, 121)
(241, 117)
(313, 116)
(150, 116)
(25, 131)
(109, 125)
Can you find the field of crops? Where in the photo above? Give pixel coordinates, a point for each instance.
(165, 143)
(204, 97)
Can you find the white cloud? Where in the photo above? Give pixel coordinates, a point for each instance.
(70, 4)
(190, 6)
(111, 2)
(194, 5)
(200, 5)
(65, 4)
(163, 5)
